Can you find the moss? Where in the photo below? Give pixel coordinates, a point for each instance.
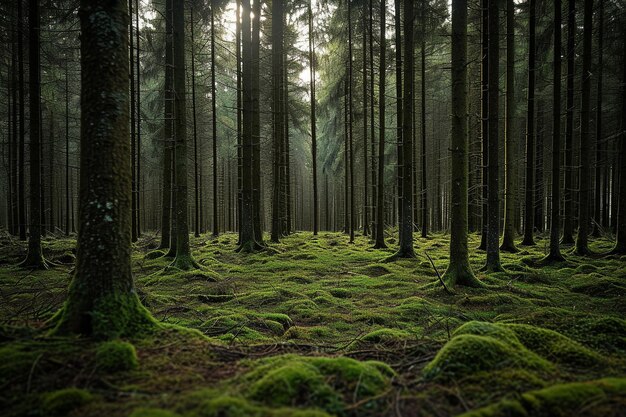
(325, 383)
(386, 336)
(604, 333)
(15, 362)
(554, 346)
(465, 354)
(152, 412)
(116, 356)
(593, 398)
(60, 403)
(155, 254)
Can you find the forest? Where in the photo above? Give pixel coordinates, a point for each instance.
(312, 208)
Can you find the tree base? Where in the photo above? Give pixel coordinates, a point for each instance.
(508, 246)
(583, 251)
(402, 254)
(109, 317)
(380, 245)
(461, 275)
(490, 268)
(528, 242)
(35, 262)
(551, 258)
(184, 263)
(250, 246)
(567, 240)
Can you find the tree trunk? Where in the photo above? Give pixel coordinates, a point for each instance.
(555, 251)
(195, 128)
(277, 117)
(67, 152)
(372, 121)
(568, 209)
(247, 240)
(380, 189)
(256, 125)
(138, 167)
(459, 271)
(366, 230)
(34, 257)
(484, 125)
(314, 127)
(423, 118)
(167, 213)
(51, 188)
(216, 230)
(601, 169)
(584, 217)
(183, 259)
(399, 113)
(508, 238)
(493, 189)
(102, 301)
(21, 181)
(133, 145)
(529, 203)
(406, 222)
(350, 140)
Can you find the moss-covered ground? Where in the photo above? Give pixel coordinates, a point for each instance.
(317, 327)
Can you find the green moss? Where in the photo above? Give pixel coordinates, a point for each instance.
(324, 383)
(594, 398)
(554, 346)
(116, 356)
(386, 336)
(152, 412)
(60, 403)
(155, 254)
(15, 362)
(469, 353)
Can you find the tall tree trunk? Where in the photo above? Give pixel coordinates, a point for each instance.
(133, 145)
(601, 169)
(372, 121)
(183, 259)
(256, 124)
(277, 117)
(399, 101)
(380, 189)
(102, 301)
(508, 238)
(167, 214)
(313, 124)
(21, 181)
(484, 114)
(239, 121)
(568, 203)
(34, 257)
(247, 240)
(195, 127)
(555, 251)
(459, 271)
(346, 164)
(584, 217)
(51, 188)
(67, 152)
(493, 209)
(288, 212)
(406, 222)
(423, 118)
(138, 167)
(529, 201)
(216, 230)
(14, 135)
(365, 129)
(350, 110)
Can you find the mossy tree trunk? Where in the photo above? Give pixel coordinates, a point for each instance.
(568, 203)
(529, 201)
(168, 137)
(555, 208)
(277, 117)
(459, 271)
(102, 301)
(380, 193)
(508, 238)
(183, 259)
(493, 181)
(34, 257)
(256, 125)
(247, 241)
(584, 202)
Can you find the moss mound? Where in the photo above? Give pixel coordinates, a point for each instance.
(233, 406)
(116, 356)
(152, 412)
(60, 403)
(466, 354)
(594, 398)
(323, 383)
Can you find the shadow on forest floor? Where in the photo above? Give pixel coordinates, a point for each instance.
(318, 327)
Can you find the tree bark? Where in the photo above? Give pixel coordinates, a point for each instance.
(216, 230)
(459, 271)
(529, 201)
(380, 192)
(424, 199)
(582, 239)
(493, 189)
(102, 301)
(620, 241)
(314, 127)
(568, 203)
(277, 117)
(484, 125)
(508, 238)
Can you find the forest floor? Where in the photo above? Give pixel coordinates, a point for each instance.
(317, 327)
